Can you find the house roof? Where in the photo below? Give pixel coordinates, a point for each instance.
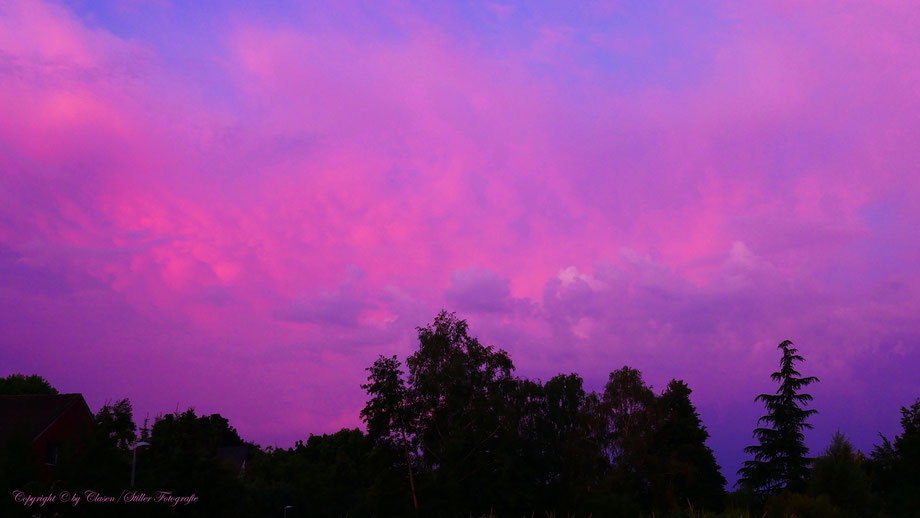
(27, 416)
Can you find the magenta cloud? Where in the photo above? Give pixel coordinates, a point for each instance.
(238, 210)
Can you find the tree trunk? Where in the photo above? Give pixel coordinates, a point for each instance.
(409, 464)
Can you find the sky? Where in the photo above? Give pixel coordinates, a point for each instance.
(237, 207)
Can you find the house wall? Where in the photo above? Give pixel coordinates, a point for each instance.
(71, 428)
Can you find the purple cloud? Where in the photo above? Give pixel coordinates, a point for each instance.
(478, 290)
(275, 198)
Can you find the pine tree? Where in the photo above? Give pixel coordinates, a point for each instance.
(780, 460)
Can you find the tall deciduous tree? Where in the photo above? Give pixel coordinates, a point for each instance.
(627, 406)
(576, 436)
(462, 391)
(115, 424)
(780, 459)
(627, 402)
(388, 413)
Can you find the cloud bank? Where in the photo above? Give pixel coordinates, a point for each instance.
(239, 210)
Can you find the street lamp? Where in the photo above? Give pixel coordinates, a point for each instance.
(286, 508)
(134, 458)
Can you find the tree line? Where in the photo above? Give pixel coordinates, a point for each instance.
(452, 431)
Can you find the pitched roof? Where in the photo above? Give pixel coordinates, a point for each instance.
(27, 416)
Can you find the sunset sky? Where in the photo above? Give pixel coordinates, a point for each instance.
(239, 208)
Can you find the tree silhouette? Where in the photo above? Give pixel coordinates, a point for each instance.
(462, 393)
(896, 465)
(627, 401)
(690, 474)
(106, 460)
(627, 408)
(20, 384)
(572, 436)
(183, 458)
(838, 473)
(388, 412)
(115, 423)
(780, 460)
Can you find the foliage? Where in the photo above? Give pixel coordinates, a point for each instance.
(627, 403)
(840, 475)
(461, 392)
(105, 461)
(183, 458)
(389, 418)
(568, 439)
(115, 424)
(455, 431)
(326, 476)
(895, 466)
(780, 459)
(628, 410)
(688, 469)
(19, 384)
(480, 440)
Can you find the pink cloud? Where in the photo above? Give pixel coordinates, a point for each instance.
(268, 213)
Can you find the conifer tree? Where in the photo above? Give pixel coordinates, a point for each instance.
(780, 460)
(690, 474)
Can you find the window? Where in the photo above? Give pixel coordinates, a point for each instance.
(51, 453)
